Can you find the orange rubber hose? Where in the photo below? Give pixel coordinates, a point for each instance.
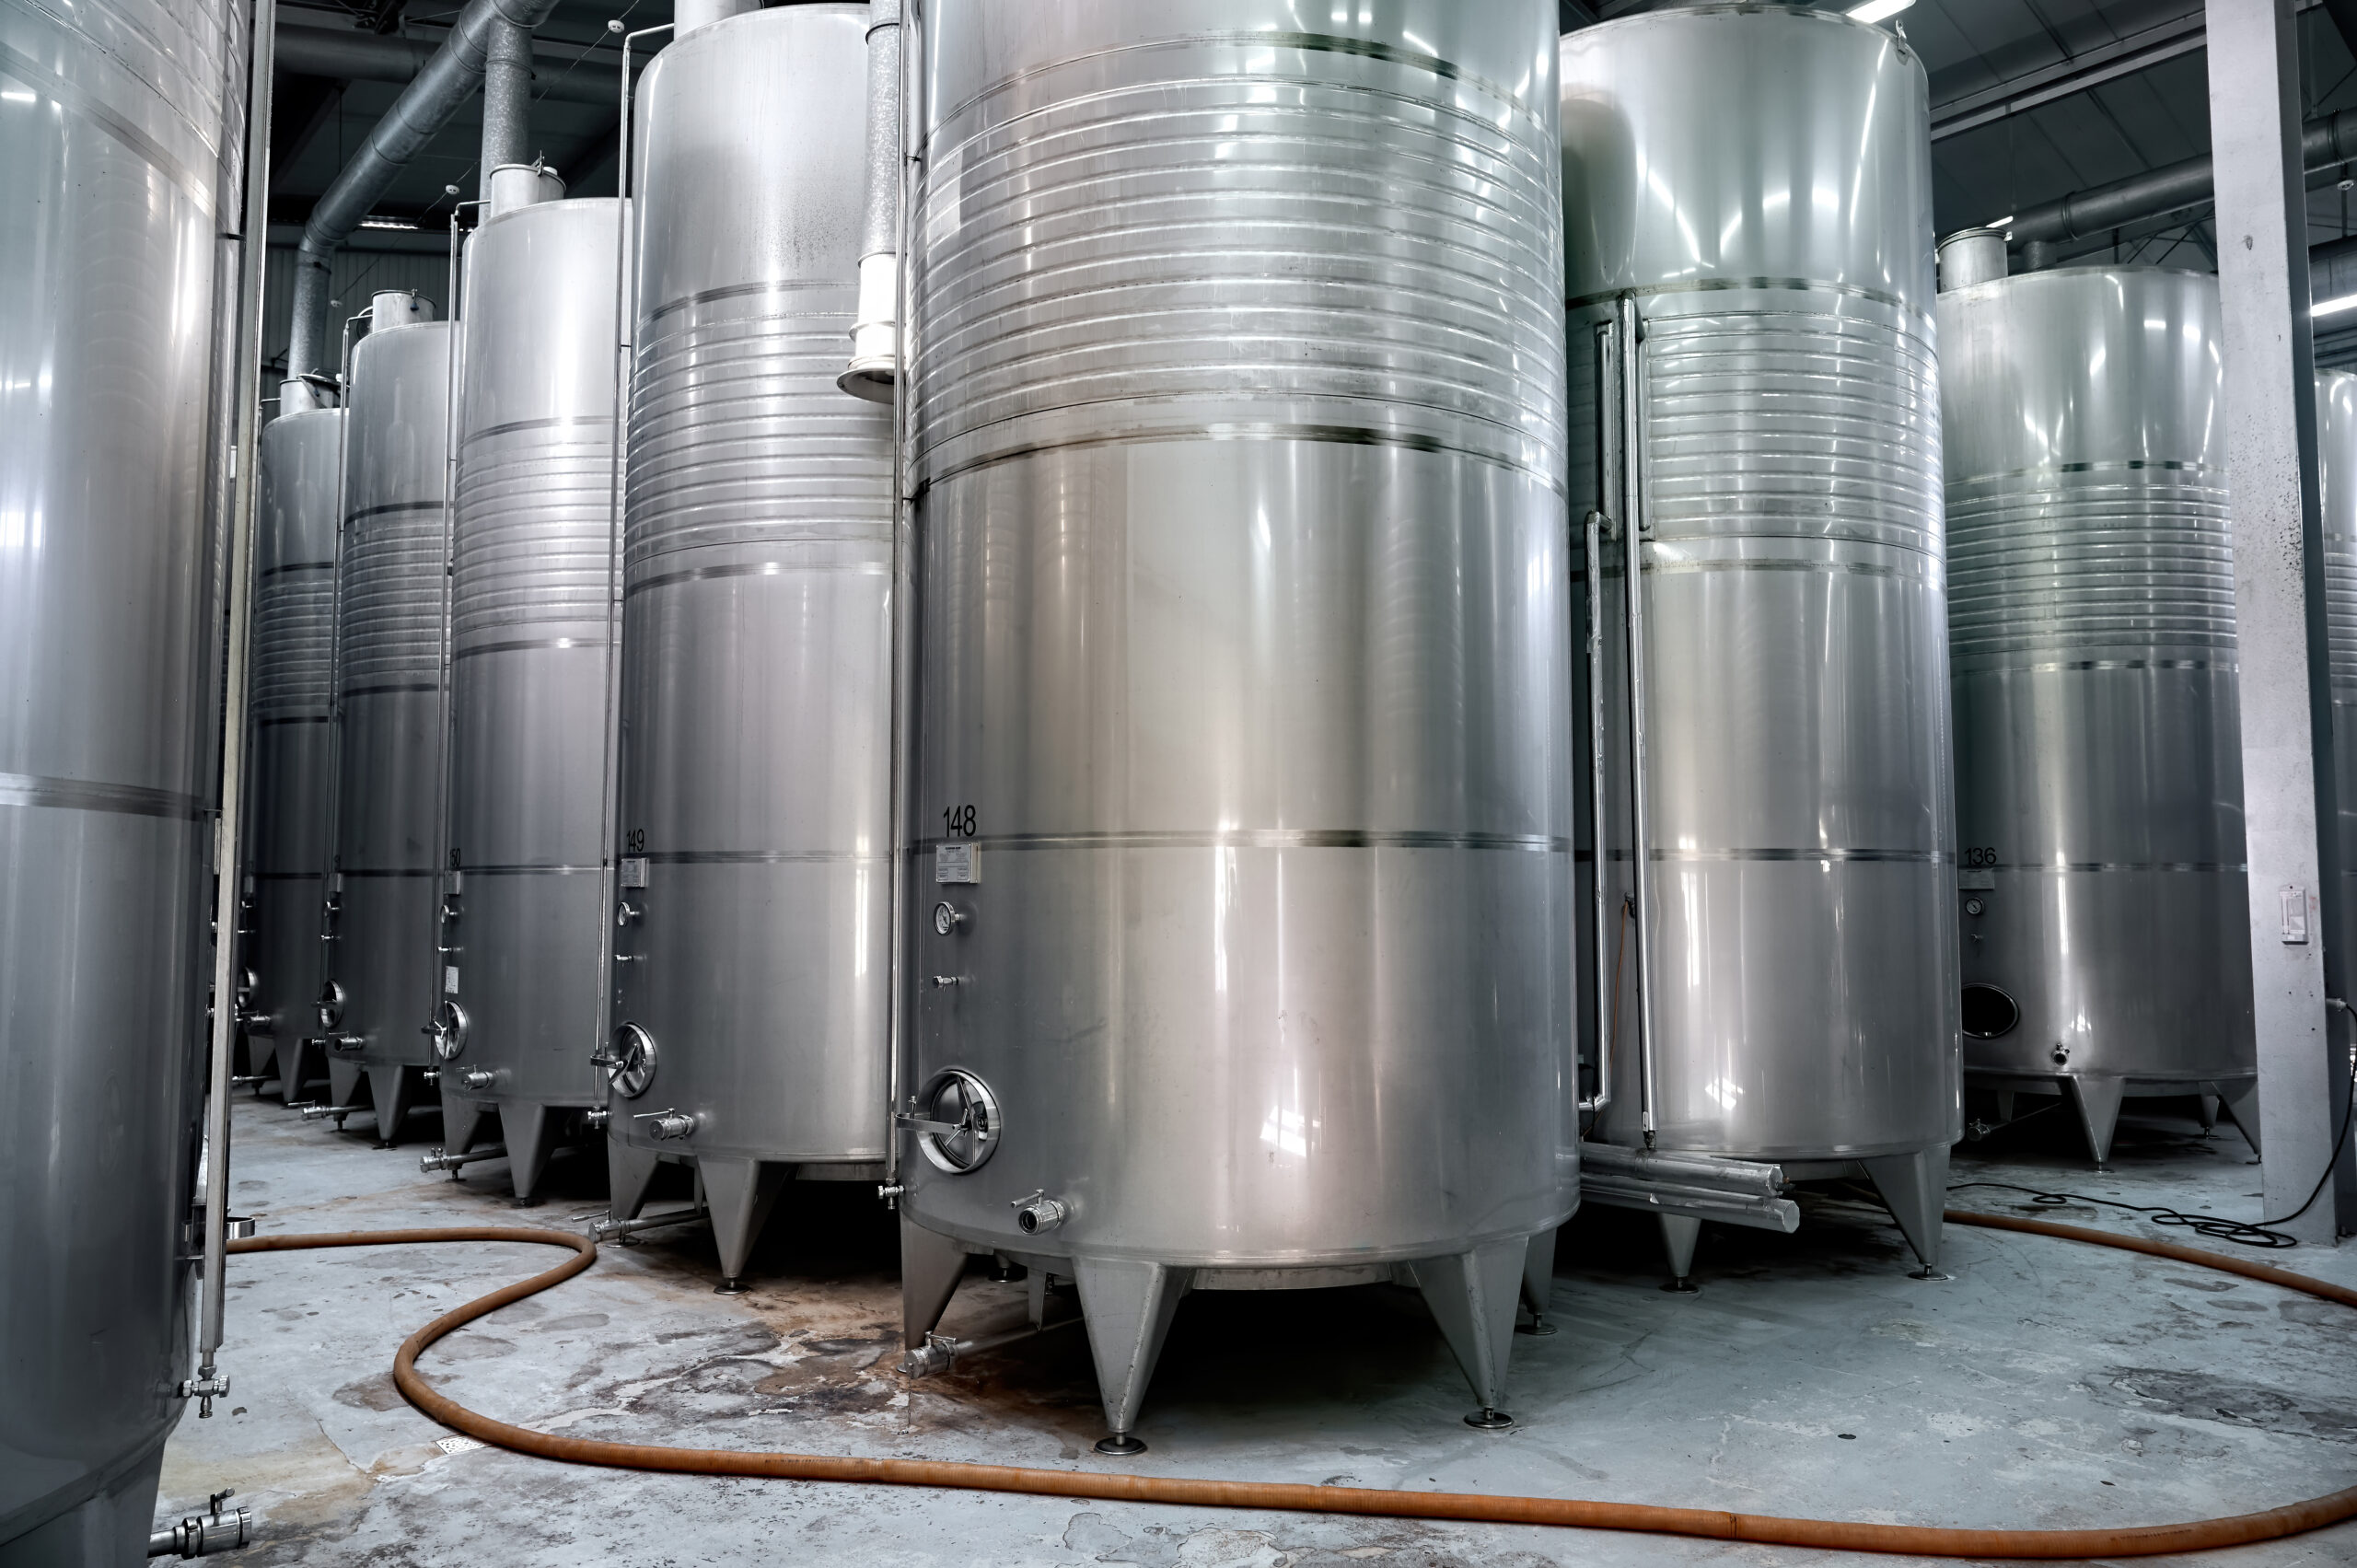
(1710, 1524)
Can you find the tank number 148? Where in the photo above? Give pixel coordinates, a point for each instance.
(957, 819)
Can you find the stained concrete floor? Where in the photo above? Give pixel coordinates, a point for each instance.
(2046, 1385)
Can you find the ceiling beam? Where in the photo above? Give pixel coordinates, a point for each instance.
(2088, 68)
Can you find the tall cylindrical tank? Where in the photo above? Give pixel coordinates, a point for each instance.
(117, 169)
(2091, 619)
(526, 895)
(384, 973)
(753, 943)
(1748, 195)
(1242, 900)
(290, 804)
(2337, 475)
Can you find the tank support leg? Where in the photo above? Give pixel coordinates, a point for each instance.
(525, 1125)
(2208, 1100)
(461, 1121)
(344, 1084)
(2004, 1106)
(739, 1192)
(1916, 1188)
(2097, 1100)
(1679, 1233)
(630, 1170)
(294, 1070)
(389, 1089)
(931, 1266)
(1129, 1306)
(1538, 1282)
(1473, 1297)
(2240, 1097)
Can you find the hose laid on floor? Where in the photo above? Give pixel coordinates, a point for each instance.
(1710, 1524)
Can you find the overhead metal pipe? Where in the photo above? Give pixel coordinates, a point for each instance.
(2083, 214)
(425, 106)
(346, 55)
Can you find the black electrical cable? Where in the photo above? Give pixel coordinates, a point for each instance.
(2210, 1226)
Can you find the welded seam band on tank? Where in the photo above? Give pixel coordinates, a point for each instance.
(1331, 434)
(381, 691)
(1720, 286)
(1261, 838)
(762, 858)
(269, 572)
(428, 871)
(1656, 567)
(2074, 866)
(528, 870)
(84, 794)
(393, 506)
(35, 77)
(287, 876)
(751, 290)
(1897, 856)
(763, 568)
(2066, 664)
(561, 422)
(522, 644)
(2124, 465)
(297, 718)
(1311, 42)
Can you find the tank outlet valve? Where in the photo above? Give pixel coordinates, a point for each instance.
(199, 1533)
(313, 1113)
(2062, 1053)
(348, 1044)
(596, 1118)
(891, 1193)
(205, 1387)
(431, 1077)
(667, 1124)
(478, 1078)
(1038, 1212)
(940, 981)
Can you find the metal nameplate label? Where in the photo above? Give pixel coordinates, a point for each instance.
(1976, 881)
(449, 979)
(633, 871)
(957, 863)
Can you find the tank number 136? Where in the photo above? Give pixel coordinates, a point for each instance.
(1979, 859)
(957, 819)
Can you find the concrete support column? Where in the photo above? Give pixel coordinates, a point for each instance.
(2289, 805)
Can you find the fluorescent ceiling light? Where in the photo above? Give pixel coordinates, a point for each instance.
(1879, 10)
(386, 223)
(2005, 222)
(2333, 307)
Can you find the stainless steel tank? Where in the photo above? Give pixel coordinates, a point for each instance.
(383, 971)
(118, 152)
(1242, 905)
(526, 896)
(2091, 621)
(1747, 200)
(753, 937)
(290, 805)
(2337, 472)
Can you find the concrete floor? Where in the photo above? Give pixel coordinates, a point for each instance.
(2046, 1385)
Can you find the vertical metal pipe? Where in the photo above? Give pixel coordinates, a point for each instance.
(1628, 342)
(909, 142)
(228, 857)
(506, 103)
(874, 334)
(2291, 805)
(1606, 1001)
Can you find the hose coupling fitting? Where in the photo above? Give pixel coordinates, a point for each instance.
(667, 1124)
(1038, 1212)
(199, 1533)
